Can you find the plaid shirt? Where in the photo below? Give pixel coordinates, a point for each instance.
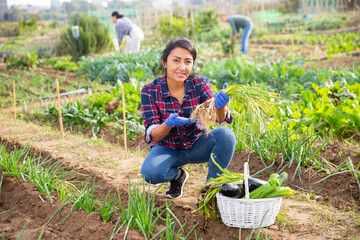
(157, 104)
(123, 26)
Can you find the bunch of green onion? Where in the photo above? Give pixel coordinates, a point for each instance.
(206, 199)
(253, 101)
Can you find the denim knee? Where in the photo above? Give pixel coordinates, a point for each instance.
(149, 175)
(225, 135)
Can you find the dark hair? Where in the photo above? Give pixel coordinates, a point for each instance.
(174, 43)
(118, 15)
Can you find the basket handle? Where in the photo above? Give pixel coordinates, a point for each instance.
(246, 179)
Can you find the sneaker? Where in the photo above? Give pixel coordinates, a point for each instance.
(176, 186)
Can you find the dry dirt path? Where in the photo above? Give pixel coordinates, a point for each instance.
(301, 217)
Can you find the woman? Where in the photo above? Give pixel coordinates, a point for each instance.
(124, 27)
(166, 104)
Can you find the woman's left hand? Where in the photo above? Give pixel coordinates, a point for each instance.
(221, 98)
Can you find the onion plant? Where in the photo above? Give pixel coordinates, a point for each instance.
(85, 198)
(46, 175)
(2, 213)
(141, 212)
(64, 190)
(206, 199)
(22, 231)
(107, 207)
(347, 167)
(170, 228)
(253, 101)
(13, 163)
(293, 146)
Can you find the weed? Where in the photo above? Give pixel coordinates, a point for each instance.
(284, 221)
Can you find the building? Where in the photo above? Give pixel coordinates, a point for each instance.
(3, 9)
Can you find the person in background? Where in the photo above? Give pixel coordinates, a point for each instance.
(236, 22)
(166, 104)
(124, 27)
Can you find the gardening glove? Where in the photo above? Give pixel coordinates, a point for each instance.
(174, 120)
(221, 98)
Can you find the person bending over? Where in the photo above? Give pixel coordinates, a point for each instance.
(124, 27)
(236, 22)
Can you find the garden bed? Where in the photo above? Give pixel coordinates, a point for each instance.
(333, 214)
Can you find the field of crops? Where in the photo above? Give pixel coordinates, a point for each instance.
(84, 181)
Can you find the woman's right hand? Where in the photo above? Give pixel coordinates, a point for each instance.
(174, 120)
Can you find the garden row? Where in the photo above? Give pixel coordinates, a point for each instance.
(322, 101)
(56, 181)
(332, 44)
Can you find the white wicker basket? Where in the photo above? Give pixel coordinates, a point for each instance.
(245, 212)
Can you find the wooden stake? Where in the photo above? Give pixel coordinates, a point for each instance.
(124, 118)
(14, 93)
(59, 108)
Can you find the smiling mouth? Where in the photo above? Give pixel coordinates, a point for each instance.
(181, 73)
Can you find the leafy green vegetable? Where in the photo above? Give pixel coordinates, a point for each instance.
(273, 188)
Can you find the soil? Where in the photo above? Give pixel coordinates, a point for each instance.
(308, 216)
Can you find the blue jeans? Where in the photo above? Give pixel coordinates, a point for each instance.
(162, 163)
(245, 38)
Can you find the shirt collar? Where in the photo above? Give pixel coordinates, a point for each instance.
(165, 92)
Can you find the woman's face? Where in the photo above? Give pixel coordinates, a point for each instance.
(178, 65)
(113, 19)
